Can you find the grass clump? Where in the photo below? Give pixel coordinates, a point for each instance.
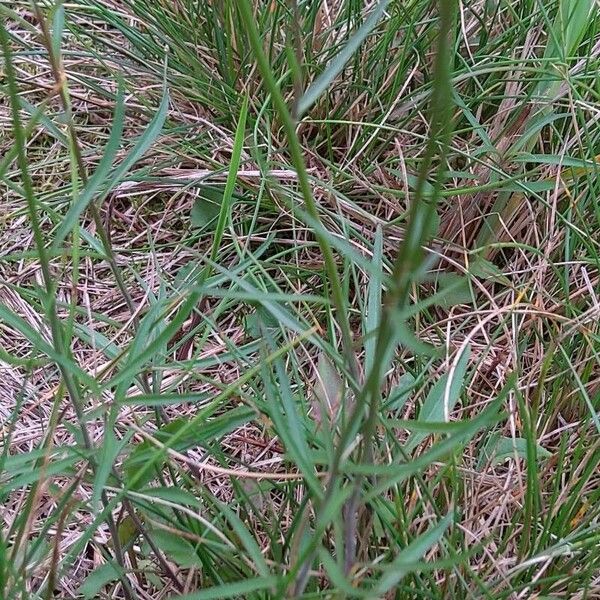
(299, 299)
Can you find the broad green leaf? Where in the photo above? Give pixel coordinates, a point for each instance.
(534, 125)
(98, 578)
(429, 427)
(207, 207)
(59, 467)
(176, 548)
(328, 391)
(499, 449)
(444, 392)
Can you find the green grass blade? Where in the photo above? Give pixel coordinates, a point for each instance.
(236, 154)
(408, 558)
(100, 176)
(233, 590)
(324, 80)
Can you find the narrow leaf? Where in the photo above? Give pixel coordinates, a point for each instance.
(407, 560)
(373, 317)
(238, 589)
(334, 68)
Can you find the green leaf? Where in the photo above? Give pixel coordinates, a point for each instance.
(409, 340)
(148, 332)
(395, 473)
(484, 269)
(135, 361)
(407, 561)
(247, 540)
(499, 449)
(290, 423)
(374, 306)
(98, 578)
(207, 207)
(238, 589)
(172, 494)
(103, 180)
(26, 468)
(127, 531)
(210, 431)
(15, 16)
(328, 391)
(97, 340)
(108, 454)
(572, 20)
(443, 393)
(400, 393)
(255, 322)
(58, 23)
(322, 82)
(37, 113)
(162, 399)
(100, 175)
(338, 578)
(452, 290)
(234, 165)
(40, 344)
(176, 548)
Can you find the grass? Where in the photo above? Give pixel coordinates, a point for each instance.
(299, 299)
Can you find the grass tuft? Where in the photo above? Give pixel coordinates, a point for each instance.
(299, 299)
